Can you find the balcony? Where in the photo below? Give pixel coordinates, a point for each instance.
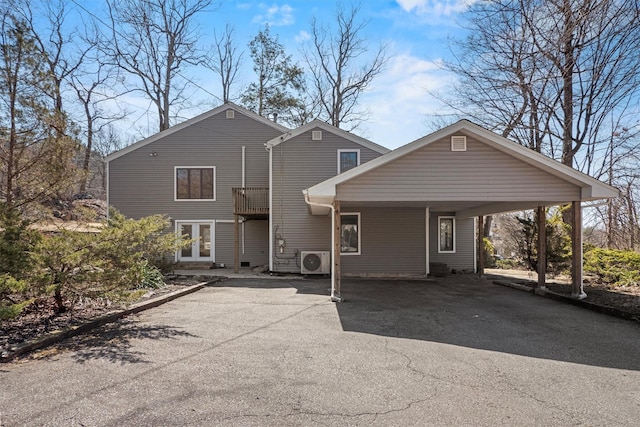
(251, 202)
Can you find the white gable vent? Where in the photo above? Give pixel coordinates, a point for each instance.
(231, 114)
(316, 135)
(458, 143)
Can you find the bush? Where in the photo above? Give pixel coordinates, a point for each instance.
(489, 251)
(12, 292)
(613, 267)
(17, 242)
(509, 264)
(118, 259)
(558, 242)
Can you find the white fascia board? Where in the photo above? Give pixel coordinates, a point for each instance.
(592, 189)
(192, 121)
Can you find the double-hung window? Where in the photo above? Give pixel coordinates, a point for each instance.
(350, 234)
(348, 159)
(195, 183)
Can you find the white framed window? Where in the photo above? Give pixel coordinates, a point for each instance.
(194, 183)
(446, 234)
(350, 233)
(348, 159)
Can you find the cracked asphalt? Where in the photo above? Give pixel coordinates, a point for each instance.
(246, 352)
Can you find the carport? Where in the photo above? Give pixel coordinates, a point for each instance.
(469, 171)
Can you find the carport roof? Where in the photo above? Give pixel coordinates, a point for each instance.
(321, 195)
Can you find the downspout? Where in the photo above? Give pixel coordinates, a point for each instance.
(244, 185)
(334, 297)
(270, 207)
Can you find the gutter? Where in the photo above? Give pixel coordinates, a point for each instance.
(334, 296)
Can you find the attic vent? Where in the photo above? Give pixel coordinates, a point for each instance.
(231, 114)
(458, 143)
(316, 135)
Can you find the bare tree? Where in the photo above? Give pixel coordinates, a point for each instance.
(550, 74)
(342, 67)
(556, 76)
(92, 91)
(106, 141)
(225, 60)
(36, 152)
(155, 41)
(61, 55)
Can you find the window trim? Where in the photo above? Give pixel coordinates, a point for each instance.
(348, 150)
(175, 183)
(440, 250)
(359, 233)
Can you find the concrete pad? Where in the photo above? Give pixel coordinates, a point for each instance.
(454, 351)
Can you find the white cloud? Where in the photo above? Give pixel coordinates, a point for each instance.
(274, 15)
(302, 36)
(400, 100)
(435, 7)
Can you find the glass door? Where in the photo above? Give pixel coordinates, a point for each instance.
(202, 235)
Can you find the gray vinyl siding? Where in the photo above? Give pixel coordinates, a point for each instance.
(224, 244)
(256, 247)
(435, 173)
(300, 163)
(142, 184)
(393, 241)
(256, 243)
(464, 257)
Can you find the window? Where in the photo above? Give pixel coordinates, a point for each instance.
(350, 234)
(348, 159)
(446, 234)
(195, 183)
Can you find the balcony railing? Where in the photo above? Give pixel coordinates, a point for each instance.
(251, 201)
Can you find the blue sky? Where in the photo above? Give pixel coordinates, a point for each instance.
(415, 32)
(398, 101)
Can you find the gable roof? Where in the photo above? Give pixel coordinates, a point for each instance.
(192, 121)
(331, 129)
(592, 189)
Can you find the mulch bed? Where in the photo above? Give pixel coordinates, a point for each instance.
(625, 299)
(41, 317)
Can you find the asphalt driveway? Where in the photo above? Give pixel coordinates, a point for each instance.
(456, 351)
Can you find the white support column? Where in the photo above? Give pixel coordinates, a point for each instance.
(335, 294)
(480, 242)
(542, 247)
(577, 290)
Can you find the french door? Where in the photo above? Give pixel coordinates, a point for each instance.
(202, 248)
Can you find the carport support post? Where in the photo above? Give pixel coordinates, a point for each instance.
(542, 247)
(480, 246)
(335, 292)
(576, 251)
(236, 245)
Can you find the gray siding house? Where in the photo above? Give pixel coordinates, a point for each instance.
(187, 172)
(318, 199)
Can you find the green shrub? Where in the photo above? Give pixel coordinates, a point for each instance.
(118, 259)
(12, 296)
(558, 240)
(16, 242)
(613, 267)
(509, 264)
(151, 276)
(489, 251)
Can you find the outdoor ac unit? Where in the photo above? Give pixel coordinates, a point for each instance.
(315, 262)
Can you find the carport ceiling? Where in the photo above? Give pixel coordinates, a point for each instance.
(461, 209)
